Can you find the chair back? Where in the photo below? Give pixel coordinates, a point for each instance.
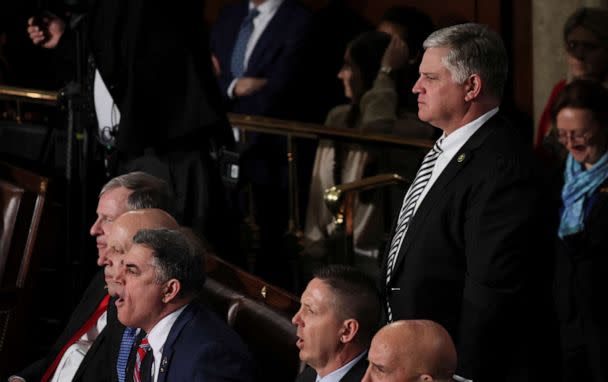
(10, 199)
(29, 212)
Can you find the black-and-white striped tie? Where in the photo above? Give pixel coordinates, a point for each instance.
(408, 207)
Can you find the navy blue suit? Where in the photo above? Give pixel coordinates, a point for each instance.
(276, 57)
(201, 347)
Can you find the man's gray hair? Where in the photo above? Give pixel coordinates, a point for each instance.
(177, 254)
(148, 191)
(474, 49)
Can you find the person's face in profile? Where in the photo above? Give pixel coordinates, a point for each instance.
(581, 135)
(350, 74)
(318, 327)
(111, 205)
(441, 100)
(119, 243)
(141, 301)
(586, 55)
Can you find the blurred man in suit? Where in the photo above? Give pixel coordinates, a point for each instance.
(259, 47)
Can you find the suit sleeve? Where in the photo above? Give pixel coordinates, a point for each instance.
(499, 230)
(217, 40)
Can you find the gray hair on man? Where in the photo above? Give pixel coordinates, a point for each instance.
(148, 191)
(474, 49)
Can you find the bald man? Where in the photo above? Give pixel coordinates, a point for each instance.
(411, 350)
(120, 238)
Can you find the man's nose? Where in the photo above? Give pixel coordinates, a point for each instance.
(96, 228)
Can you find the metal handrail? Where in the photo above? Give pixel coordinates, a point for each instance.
(246, 122)
(334, 196)
(289, 129)
(309, 130)
(14, 93)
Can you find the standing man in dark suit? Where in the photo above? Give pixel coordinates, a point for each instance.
(468, 249)
(339, 314)
(162, 275)
(259, 47)
(87, 349)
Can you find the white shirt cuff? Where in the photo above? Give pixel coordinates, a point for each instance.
(231, 88)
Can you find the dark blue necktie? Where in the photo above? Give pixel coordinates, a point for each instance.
(237, 63)
(128, 337)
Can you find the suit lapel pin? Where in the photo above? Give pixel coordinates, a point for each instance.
(163, 364)
(461, 158)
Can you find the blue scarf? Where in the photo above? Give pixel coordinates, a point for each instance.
(579, 186)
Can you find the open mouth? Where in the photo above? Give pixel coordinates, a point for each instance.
(299, 342)
(120, 301)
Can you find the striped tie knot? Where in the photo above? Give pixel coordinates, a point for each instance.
(437, 146)
(253, 13)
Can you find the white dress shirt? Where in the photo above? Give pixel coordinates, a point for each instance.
(108, 115)
(73, 356)
(267, 11)
(336, 375)
(452, 143)
(157, 337)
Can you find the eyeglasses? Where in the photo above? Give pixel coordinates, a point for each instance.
(575, 137)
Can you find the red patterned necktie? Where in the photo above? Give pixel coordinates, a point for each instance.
(142, 349)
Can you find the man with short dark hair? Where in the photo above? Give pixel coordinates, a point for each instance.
(409, 351)
(339, 314)
(162, 275)
(88, 347)
(468, 249)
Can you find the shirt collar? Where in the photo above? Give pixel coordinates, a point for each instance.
(159, 333)
(268, 6)
(460, 136)
(336, 375)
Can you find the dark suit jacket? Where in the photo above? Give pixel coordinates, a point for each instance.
(201, 347)
(99, 364)
(355, 374)
(581, 290)
(155, 62)
(277, 56)
(475, 260)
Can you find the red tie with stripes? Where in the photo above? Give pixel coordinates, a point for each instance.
(142, 349)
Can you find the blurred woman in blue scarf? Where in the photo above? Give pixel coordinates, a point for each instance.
(580, 115)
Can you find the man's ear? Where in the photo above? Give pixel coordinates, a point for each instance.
(171, 290)
(350, 328)
(473, 86)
